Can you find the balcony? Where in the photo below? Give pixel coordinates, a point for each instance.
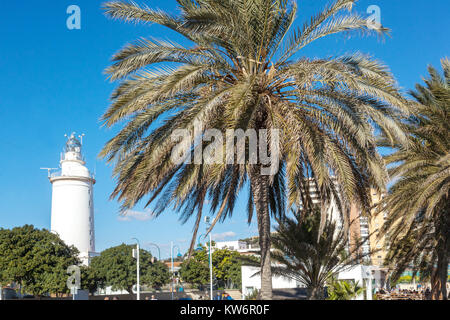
(72, 173)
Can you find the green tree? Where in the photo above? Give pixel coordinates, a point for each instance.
(196, 269)
(227, 268)
(35, 259)
(91, 279)
(157, 275)
(116, 267)
(312, 257)
(343, 290)
(419, 225)
(408, 279)
(242, 69)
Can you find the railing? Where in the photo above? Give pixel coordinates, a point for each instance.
(55, 174)
(58, 174)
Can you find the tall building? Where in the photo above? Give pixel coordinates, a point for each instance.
(332, 211)
(378, 242)
(363, 229)
(72, 201)
(358, 232)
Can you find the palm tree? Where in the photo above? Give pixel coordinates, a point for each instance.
(305, 257)
(241, 70)
(344, 290)
(419, 225)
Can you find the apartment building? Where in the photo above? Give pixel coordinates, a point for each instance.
(365, 229)
(378, 241)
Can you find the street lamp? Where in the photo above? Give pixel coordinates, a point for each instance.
(209, 260)
(202, 236)
(171, 259)
(159, 250)
(136, 255)
(208, 225)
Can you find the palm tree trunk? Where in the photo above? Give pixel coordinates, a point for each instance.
(260, 191)
(442, 274)
(439, 278)
(315, 293)
(312, 294)
(443, 248)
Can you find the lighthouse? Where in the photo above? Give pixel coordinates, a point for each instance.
(72, 216)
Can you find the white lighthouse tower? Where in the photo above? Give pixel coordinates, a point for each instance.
(72, 201)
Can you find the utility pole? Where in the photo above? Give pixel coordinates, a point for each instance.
(171, 260)
(210, 268)
(210, 259)
(136, 255)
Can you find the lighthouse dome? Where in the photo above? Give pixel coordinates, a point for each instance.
(73, 144)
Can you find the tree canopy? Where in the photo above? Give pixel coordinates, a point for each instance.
(419, 225)
(226, 268)
(35, 259)
(116, 267)
(196, 269)
(157, 275)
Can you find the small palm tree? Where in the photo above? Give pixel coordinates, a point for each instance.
(344, 290)
(253, 295)
(309, 259)
(242, 70)
(419, 201)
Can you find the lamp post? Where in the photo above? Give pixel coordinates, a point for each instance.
(136, 255)
(200, 237)
(171, 259)
(157, 247)
(208, 225)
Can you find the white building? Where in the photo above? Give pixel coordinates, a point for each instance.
(72, 201)
(231, 245)
(251, 281)
(369, 277)
(237, 245)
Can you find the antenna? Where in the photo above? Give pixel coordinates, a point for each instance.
(81, 137)
(48, 170)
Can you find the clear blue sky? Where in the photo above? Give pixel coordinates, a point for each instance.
(52, 83)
